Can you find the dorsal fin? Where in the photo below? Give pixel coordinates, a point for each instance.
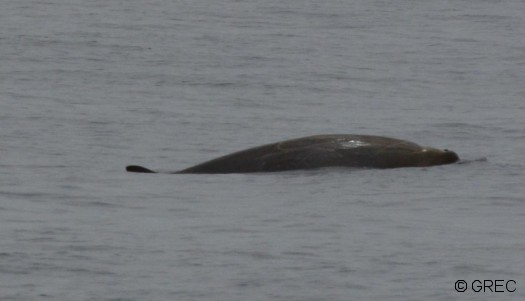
(137, 168)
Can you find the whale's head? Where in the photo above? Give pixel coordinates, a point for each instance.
(429, 156)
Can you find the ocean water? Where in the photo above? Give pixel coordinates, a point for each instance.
(88, 87)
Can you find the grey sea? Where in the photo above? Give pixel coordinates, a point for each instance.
(88, 87)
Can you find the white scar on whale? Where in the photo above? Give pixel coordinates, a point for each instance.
(352, 143)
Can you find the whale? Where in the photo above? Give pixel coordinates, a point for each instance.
(312, 152)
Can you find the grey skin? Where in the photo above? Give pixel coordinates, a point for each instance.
(356, 151)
